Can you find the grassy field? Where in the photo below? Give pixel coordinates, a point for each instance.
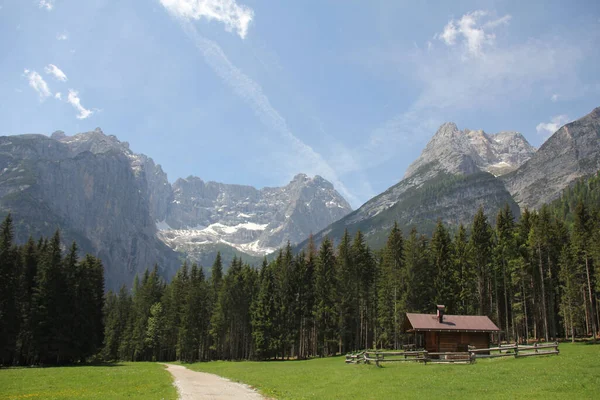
(574, 374)
(117, 381)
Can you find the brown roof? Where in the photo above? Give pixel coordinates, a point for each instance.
(469, 323)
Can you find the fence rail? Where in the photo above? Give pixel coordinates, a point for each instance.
(466, 357)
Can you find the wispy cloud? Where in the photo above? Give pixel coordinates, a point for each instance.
(46, 4)
(58, 96)
(75, 101)
(235, 17)
(469, 32)
(56, 72)
(301, 157)
(548, 128)
(554, 97)
(62, 36)
(38, 84)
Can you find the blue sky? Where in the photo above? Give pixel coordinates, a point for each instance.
(253, 92)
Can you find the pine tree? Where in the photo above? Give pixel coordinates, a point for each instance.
(347, 290)
(465, 274)
(571, 295)
(366, 273)
(581, 241)
(392, 289)
(9, 316)
(155, 331)
(481, 254)
(325, 313)
(265, 315)
(420, 293)
(441, 258)
(30, 259)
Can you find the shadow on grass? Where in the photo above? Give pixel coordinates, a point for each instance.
(95, 364)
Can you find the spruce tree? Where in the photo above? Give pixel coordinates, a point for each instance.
(445, 286)
(325, 310)
(465, 276)
(481, 257)
(9, 316)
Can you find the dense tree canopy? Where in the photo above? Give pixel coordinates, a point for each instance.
(536, 277)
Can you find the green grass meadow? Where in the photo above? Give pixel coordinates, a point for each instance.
(574, 374)
(115, 381)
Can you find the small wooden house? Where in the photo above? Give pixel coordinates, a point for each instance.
(450, 333)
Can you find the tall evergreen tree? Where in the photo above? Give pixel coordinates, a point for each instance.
(481, 254)
(466, 295)
(392, 289)
(444, 282)
(325, 312)
(9, 316)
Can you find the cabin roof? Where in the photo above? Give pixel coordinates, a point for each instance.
(462, 323)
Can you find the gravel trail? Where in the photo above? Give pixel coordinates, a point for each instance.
(193, 385)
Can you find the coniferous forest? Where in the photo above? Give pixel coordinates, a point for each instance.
(538, 277)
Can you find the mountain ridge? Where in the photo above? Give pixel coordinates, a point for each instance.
(118, 204)
(460, 171)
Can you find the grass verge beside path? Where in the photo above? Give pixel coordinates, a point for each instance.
(574, 374)
(111, 381)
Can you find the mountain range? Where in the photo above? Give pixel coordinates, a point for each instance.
(120, 206)
(462, 170)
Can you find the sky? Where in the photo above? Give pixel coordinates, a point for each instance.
(254, 92)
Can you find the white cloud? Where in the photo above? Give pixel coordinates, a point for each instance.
(58, 96)
(448, 83)
(548, 128)
(471, 32)
(38, 84)
(75, 101)
(554, 97)
(235, 17)
(46, 4)
(62, 36)
(56, 72)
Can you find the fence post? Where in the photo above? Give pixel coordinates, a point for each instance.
(535, 346)
(516, 350)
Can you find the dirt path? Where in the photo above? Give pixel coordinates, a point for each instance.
(193, 385)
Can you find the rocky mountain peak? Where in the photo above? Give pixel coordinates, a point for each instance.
(469, 151)
(58, 135)
(254, 221)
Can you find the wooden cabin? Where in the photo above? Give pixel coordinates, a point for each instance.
(449, 333)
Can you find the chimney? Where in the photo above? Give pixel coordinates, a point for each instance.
(440, 313)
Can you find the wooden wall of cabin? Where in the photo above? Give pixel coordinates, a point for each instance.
(455, 341)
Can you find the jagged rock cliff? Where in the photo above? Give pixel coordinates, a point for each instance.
(85, 186)
(253, 221)
(570, 153)
(120, 206)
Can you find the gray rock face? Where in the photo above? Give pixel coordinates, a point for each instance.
(570, 153)
(253, 221)
(86, 186)
(454, 175)
(121, 207)
(466, 152)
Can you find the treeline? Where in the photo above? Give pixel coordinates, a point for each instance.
(51, 306)
(535, 279)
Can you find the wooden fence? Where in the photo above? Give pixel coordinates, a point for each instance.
(468, 357)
